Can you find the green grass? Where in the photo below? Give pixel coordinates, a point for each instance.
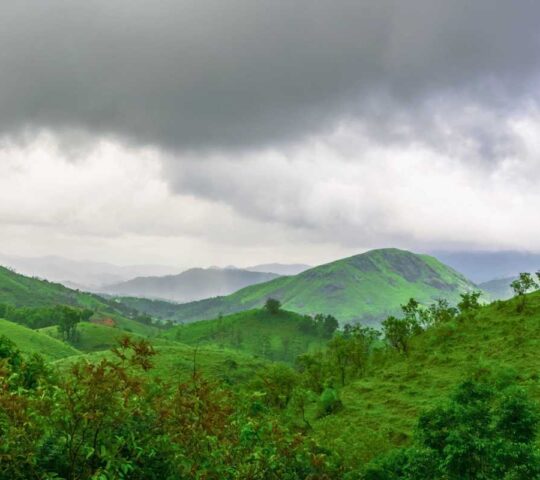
(32, 341)
(364, 287)
(175, 362)
(381, 409)
(94, 337)
(273, 336)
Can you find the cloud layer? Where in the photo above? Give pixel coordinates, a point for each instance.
(210, 132)
(211, 74)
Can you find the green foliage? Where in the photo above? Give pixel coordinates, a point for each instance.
(469, 303)
(108, 419)
(272, 305)
(281, 336)
(33, 342)
(483, 432)
(522, 285)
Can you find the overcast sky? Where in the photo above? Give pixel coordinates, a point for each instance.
(204, 132)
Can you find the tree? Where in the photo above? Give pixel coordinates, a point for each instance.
(522, 285)
(398, 332)
(272, 305)
(469, 303)
(338, 352)
(482, 432)
(67, 323)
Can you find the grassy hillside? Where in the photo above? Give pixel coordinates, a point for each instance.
(279, 336)
(94, 337)
(20, 290)
(364, 287)
(381, 410)
(175, 361)
(32, 341)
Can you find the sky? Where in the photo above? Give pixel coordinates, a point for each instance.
(204, 132)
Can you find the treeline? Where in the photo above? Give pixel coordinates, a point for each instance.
(64, 317)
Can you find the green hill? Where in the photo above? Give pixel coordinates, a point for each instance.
(22, 291)
(364, 287)
(32, 341)
(280, 336)
(93, 337)
(381, 409)
(176, 361)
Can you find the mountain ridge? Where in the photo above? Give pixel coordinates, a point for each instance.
(190, 285)
(365, 287)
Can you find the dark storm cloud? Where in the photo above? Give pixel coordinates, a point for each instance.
(216, 74)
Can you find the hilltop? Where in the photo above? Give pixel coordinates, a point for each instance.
(365, 287)
(193, 284)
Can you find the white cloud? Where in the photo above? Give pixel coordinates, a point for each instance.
(331, 195)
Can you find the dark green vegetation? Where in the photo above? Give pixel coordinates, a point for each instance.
(366, 287)
(193, 284)
(281, 335)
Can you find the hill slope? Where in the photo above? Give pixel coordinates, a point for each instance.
(364, 287)
(193, 284)
(381, 410)
(32, 341)
(280, 336)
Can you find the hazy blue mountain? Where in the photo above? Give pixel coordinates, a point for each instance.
(280, 268)
(499, 288)
(191, 285)
(80, 274)
(486, 266)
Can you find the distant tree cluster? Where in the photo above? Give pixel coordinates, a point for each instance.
(64, 317)
(416, 318)
(321, 325)
(524, 284)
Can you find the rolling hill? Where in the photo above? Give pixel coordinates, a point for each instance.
(365, 287)
(280, 336)
(20, 290)
(32, 341)
(193, 284)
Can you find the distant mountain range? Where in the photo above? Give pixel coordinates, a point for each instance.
(280, 268)
(486, 266)
(80, 274)
(364, 287)
(193, 284)
(498, 289)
